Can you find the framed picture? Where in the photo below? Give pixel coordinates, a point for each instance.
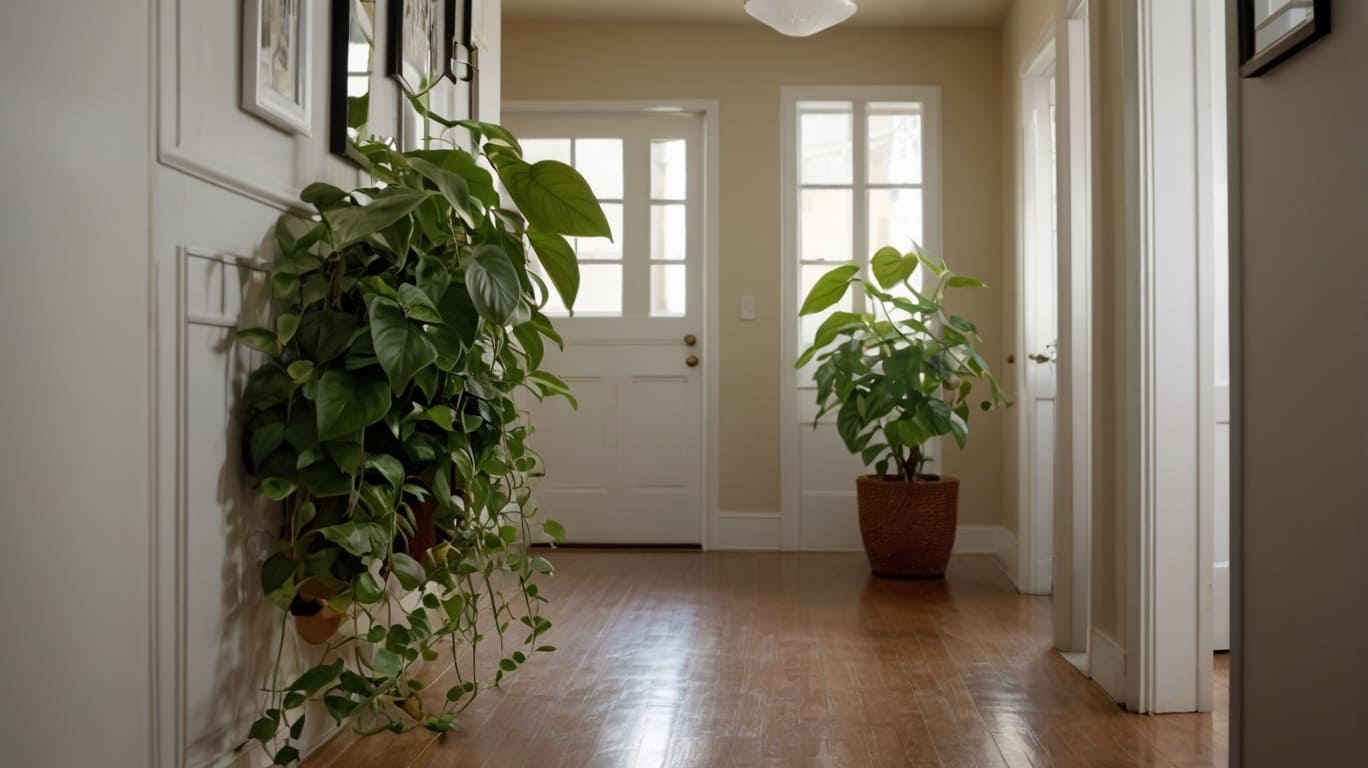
(276, 66)
(351, 62)
(1272, 31)
(459, 18)
(414, 44)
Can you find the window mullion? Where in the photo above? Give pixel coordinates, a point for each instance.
(636, 225)
(859, 194)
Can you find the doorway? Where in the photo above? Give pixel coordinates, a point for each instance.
(1038, 266)
(627, 465)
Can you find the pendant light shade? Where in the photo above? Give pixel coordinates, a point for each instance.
(800, 18)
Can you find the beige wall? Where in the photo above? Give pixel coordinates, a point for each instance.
(1304, 483)
(743, 67)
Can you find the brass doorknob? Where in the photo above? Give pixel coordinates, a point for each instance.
(691, 361)
(691, 339)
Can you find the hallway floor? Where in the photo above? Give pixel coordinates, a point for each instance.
(732, 659)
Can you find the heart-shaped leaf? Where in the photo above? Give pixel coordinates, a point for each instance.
(400, 344)
(493, 284)
(348, 403)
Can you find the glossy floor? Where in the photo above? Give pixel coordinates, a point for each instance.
(731, 659)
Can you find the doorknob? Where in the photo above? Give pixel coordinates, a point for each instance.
(1041, 359)
(691, 339)
(691, 361)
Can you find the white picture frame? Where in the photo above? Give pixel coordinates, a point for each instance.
(277, 63)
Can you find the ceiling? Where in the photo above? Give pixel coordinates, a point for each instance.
(903, 13)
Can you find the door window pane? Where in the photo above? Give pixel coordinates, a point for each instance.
(827, 150)
(669, 290)
(669, 169)
(895, 218)
(669, 235)
(599, 161)
(895, 143)
(827, 231)
(600, 290)
(536, 150)
(601, 248)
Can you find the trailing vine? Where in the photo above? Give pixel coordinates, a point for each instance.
(407, 319)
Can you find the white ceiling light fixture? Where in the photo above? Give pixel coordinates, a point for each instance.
(800, 18)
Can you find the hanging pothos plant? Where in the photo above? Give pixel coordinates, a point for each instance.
(406, 320)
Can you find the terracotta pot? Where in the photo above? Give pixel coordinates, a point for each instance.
(908, 528)
(318, 628)
(424, 530)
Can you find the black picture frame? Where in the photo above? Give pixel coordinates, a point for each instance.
(458, 18)
(1255, 62)
(414, 44)
(341, 106)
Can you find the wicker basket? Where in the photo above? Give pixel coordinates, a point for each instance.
(908, 528)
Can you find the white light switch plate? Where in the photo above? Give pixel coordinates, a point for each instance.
(747, 307)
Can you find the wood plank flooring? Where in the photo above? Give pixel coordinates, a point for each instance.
(740, 659)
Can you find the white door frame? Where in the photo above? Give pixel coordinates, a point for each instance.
(1072, 602)
(1035, 538)
(1169, 370)
(709, 110)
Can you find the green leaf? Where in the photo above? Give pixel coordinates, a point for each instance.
(322, 195)
(433, 277)
(348, 403)
(931, 261)
(940, 415)
(409, 571)
(275, 572)
(830, 288)
(339, 707)
(960, 281)
(540, 565)
(260, 339)
(286, 325)
(388, 466)
(553, 196)
(361, 221)
(548, 384)
(312, 682)
(960, 429)
(264, 729)
(287, 755)
(452, 187)
(322, 336)
(276, 488)
(387, 663)
(402, 347)
(417, 305)
(554, 529)
(300, 371)
(559, 262)
(365, 588)
(284, 285)
(890, 268)
(493, 284)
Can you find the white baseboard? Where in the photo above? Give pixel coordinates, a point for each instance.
(1107, 660)
(977, 540)
(1007, 555)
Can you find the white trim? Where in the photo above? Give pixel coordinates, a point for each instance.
(1107, 664)
(977, 539)
(710, 112)
(1008, 552)
(289, 116)
(1168, 552)
(1035, 551)
(790, 492)
(1074, 428)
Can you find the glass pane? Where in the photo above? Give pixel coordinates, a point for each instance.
(600, 162)
(669, 290)
(826, 144)
(825, 216)
(600, 248)
(536, 150)
(669, 235)
(600, 290)
(669, 169)
(895, 218)
(895, 143)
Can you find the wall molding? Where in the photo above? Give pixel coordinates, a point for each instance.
(1107, 665)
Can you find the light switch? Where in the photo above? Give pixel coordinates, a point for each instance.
(747, 307)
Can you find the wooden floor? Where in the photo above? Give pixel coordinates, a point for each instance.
(732, 659)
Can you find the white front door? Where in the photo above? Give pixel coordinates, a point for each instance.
(626, 467)
(1040, 327)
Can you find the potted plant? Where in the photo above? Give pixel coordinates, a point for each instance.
(897, 376)
(407, 316)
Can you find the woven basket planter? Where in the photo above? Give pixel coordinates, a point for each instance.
(908, 528)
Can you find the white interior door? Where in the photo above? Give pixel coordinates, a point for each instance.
(1040, 326)
(626, 467)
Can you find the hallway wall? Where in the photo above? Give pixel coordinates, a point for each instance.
(1300, 325)
(74, 538)
(743, 66)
